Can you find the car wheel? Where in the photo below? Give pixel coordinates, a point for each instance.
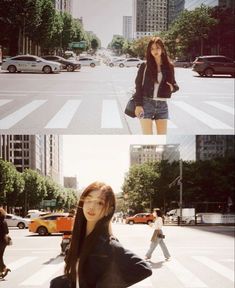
(121, 65)
(42, 231)
(70, 68)
(12, 69)
(92, 65)
(21, 225)
(131, 222)
(208, 72)
(111, 65)
(191, 222)
(138, 65)
(47, 69)
(200, 74)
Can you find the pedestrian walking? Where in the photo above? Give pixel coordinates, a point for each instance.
(155, 82)
(4, 241)
(157, 237)
(96, 258)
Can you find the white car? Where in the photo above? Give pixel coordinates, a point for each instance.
(116, 62)
(30, 63)
(16, 221)
(131, 62)
(88, 61)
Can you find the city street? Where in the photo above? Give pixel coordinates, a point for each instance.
(92, 101)
(202, 257)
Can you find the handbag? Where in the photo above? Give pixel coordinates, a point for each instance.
(8, 240)
(130, 106)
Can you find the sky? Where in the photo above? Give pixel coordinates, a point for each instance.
(103, 17)
(100, 157)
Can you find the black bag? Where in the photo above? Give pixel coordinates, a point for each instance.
(130, 108)
(161, 236)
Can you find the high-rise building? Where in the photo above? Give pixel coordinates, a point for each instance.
(64, 5)
(212, 146)
(149, 17)
(191, 5)
(37, 152)
(174, 9)
(127, 27)
(140, 154)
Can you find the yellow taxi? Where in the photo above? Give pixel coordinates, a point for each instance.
(46, 225)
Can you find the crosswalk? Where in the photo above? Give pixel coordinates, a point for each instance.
(47, 115)
(178, 274)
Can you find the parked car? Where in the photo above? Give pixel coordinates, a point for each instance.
(88, 61)
(214, 64)
(115, 62)
(131, 62)
(16, 221)
(46, 224)
(30, 63)
(68, 64)
(182, 63)
(144, 218)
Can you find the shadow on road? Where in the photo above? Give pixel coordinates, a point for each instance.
(224, 230)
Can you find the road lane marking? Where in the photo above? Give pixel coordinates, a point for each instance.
(202, 116)
(188, 279)
(4, 101)
(110, 115)
(43, 275)
(19, 263)
(221, 106)
(15, 117)
(220, 269)
(64, 116)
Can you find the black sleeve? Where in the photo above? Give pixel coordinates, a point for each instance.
(138, 86)
(6, 228)
(125, 268)
(175, 85)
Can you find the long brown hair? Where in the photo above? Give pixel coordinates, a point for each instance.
(151, 64)
(81, 245)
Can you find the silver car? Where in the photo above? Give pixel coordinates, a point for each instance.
(16, 221)
(131, 62)
(88, 61)
(30, 63)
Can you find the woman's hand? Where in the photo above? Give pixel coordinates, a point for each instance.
(171, 86)
(139, 111)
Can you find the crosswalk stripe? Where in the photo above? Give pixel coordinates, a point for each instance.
(4, 101)
(43, 275)
(110, 115)
(202, 116)
(63, 117)
(20, 114)
(220, 269)
(188, 279)
(221, 106)
(19, 263)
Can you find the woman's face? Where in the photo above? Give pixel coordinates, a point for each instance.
(94, 206)
(156, 50)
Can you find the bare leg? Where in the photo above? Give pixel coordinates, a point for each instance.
(161, 125)
(147, 126)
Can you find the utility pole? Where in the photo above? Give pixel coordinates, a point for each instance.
(181, 189)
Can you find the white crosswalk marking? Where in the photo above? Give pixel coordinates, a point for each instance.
(4, 101)
(221, 106)
(43, 275)
(110, 115)
(15, 117)
(63, 117)
(202, 116)
(19, 263)
(220, 269)
(188, 279)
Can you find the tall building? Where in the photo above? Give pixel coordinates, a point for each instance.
(37, 152)
(64, 5)
(190, 5)
(140, 154)
(213, 146)
(149, 17)
(127, 27)
(174, 9)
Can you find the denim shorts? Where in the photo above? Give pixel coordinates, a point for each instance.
(155, 109)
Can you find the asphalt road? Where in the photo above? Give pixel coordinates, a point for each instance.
(202, 257)
(92, 101)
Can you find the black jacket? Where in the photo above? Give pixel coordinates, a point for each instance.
(3, 231)
(110, 266)
(147, 89)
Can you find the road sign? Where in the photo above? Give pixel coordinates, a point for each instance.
(81, 44)
(49, 203)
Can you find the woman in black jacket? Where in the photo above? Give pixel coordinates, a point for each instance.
(96, 259)
(155, 82)
(3, 233)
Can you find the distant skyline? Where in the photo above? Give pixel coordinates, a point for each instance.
(103, 17)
